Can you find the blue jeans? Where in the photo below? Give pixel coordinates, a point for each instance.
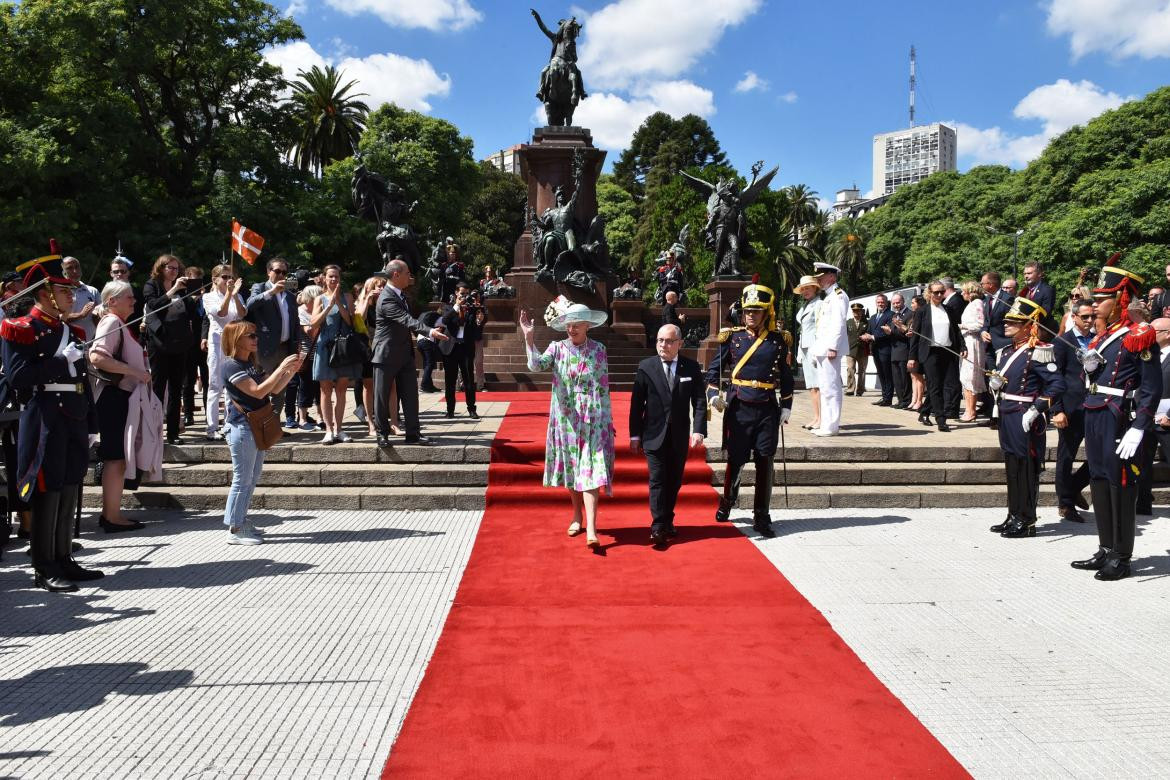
(247, 463)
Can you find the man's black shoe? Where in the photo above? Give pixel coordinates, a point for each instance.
(1019, 530)
(429, 389)
(671, 532)
(903, 405)
(472, 414)
(419, 440)
(764, 529)
(883, 402)
(1072, 515)
(658, 537)
(1114, 569)
(383, 441)
(1091, 564)
(1081, 501)
(450, 414)
(942, 426)
(999, 528)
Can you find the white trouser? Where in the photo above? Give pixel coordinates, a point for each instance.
(829, 374)
(214, 380)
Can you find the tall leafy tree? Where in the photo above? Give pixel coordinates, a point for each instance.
(331, 119)
(691, 144)
(846, 250)
(493, 219)
(621, 219)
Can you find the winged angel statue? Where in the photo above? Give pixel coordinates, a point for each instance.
(726, 230)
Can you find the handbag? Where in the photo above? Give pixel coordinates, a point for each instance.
(348, 349)
(265, 425)
(108, 376)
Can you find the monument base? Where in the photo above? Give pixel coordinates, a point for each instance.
(721, 293)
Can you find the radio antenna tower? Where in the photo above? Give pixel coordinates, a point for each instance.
(913, 60)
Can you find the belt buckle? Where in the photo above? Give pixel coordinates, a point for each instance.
(1093, 387)
(79, 388)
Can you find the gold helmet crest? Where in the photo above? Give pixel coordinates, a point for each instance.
(757, 296)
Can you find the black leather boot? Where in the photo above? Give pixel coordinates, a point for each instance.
(66, 510)
(761, 506)
(1103, 515)
(731, 477)
(1019, 529)
(43, 544)
(1124, 530)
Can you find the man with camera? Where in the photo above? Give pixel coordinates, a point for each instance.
(461, 320)
(272, 308)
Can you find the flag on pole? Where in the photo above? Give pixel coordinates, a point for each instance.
(246, 243)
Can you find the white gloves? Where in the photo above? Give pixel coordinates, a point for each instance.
(1030, 417)
(1090, 360)
(717, 403)
(995, 382)
(785, 414)
(1130, 443)
(72, 352)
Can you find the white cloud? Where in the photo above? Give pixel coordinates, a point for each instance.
(384, 78)
(614, 119)
(1059, 106)
(632, 40)
(1121, 28)
(296, 8)
(789, 97)
(751, 81)
(434, 15)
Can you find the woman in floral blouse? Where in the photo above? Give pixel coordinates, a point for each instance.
(580, 442)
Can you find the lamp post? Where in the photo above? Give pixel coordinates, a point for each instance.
(1015, 247)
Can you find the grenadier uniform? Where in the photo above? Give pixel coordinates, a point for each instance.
(1027, 386)
(1123, 379)
(758, 400)
(44, 363)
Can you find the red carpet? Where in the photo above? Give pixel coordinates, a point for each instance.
(698, 661)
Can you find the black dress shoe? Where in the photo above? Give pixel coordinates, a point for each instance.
(113, 528)
(942, 426)
(1114, 569)
(420, 440)
(54, 584)
(671, 532)
(429, 389)
(72, 569)
(999, 528)
(658, 537)
(1091, 564)
(883, 402)
(1019, 530)
(472, 414)
(902, 405)
(383, 441)
(764, 529)
(924, 419)
(1081, 501)
(450, 415)
(1072, 515)
(723, 513)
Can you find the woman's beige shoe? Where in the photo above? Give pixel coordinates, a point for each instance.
(574, 528)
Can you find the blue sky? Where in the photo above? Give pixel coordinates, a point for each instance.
(801, 85)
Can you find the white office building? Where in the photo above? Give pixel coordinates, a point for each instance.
(908, 156)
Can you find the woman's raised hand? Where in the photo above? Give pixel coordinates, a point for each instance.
(526, 323)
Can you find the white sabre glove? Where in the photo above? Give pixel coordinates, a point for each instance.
(72, 352)
(715, 400)
(1030, 417)
(1090, 360)
(995, 382)
(785, 414)
(1130, 443)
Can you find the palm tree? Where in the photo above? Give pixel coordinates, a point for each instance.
(331, 119)
(848, 251)
(802, 208)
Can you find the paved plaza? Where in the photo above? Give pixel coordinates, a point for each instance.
(299, 658)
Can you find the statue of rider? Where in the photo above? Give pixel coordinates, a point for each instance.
(562, 58)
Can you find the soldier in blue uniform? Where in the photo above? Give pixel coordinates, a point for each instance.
(1027, 385)
(44, 363)
(1123, 385)
(756, 356)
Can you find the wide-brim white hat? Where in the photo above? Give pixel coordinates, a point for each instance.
(579, 312)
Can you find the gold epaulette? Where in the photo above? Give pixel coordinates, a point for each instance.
(725, 333)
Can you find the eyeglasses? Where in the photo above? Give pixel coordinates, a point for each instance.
(175, 268)
(667, 341)
(936, 292)
(279, 271)
(225, 276)
(118, 272)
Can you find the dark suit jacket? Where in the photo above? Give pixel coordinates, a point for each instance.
(955, 305)
(1044, 295)
(899, 341)
(1160, 305)
(1064, 349)
(658, 415)
(882, 341)
(995, 306)
(264, 313)
(924, 326)
(670, 315)
(170, 322)
(393, 342)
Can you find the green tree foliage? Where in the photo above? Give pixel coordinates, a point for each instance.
(689, 143)
(1095, 189)
(493, 219)
(621, 220)
(330, 119)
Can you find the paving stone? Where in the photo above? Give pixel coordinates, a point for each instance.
(413, 498)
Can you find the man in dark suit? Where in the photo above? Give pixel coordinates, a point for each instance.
(668, 388)
(1160, 303)
(1070, 422)
(880, 343)
(458, 354)
(899, 348)
(952, 299)
(996, 303)
(393, 357)
(934, 344)
(670, 315)
(1039, 291)
(273, 310)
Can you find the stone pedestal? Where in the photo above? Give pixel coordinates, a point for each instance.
(545, 164)
(502, 316)
(627, 320)
(721, 293)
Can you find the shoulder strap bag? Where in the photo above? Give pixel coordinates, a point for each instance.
(265, 425)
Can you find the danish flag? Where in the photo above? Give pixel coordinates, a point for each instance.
(246, 243)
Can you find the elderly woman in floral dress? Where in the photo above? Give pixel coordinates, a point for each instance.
(579, 448)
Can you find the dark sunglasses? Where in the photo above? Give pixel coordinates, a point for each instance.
(279, 272)
(225, 276)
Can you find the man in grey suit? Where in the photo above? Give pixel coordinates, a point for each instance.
(273, 310)
(394, 355)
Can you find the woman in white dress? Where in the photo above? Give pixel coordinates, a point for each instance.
(806, 317)
(971, 375)
(222, 307)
